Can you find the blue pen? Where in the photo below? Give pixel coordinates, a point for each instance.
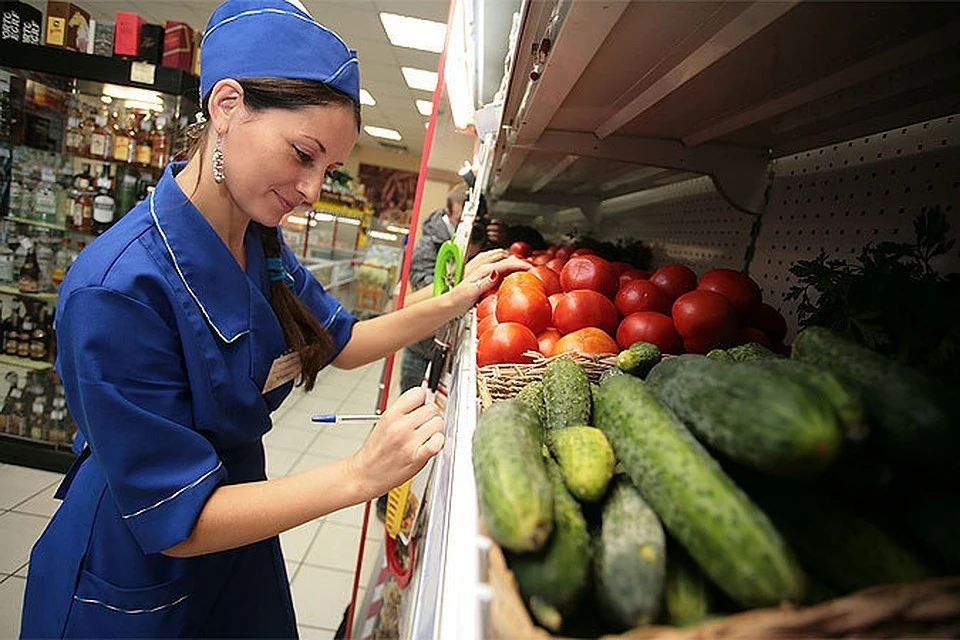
(332, 418)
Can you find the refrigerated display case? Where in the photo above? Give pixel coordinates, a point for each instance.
(737, 135)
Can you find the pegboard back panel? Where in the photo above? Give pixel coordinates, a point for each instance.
(687, 223)
(838, 198)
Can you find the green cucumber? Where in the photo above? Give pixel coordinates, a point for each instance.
(553, 579)
(720, 355)
(610, 372)
(586, 459)
(513, 488)
(566, 394)
(750, 351)
(686, 594)
(767, 421)
(532, 396)
(630, 563)
(727, 535)
(639, 358)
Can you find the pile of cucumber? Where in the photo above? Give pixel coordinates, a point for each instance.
(690, 487)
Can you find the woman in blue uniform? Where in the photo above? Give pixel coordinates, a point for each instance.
(184, 326)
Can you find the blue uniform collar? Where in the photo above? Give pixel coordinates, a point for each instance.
(202, 261)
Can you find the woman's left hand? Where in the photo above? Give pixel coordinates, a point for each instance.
(482, 274)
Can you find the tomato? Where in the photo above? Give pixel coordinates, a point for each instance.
(691, 345)
(641, 295)
(554, 299)
(742, 292)
(547, 340)
(751, 334)
(522, 279)
(586, 340)
(549, 278)
(487, 323)
(649, 326)
(633, 274)
(540, 260)
(564, 253)
(621, 267)
(557, 264)
(506, 343)
(525, 305)
(589, 272)
(584, 308)
(770, 321)
(552, 251)
(487, 306)
(675, 280)
(584, 252)
(706, 319)
(521, 248)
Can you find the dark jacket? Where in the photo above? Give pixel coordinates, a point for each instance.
(433, 233)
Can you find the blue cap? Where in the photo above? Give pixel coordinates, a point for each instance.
(274, 39)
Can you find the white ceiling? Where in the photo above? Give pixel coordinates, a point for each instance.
(358, 24)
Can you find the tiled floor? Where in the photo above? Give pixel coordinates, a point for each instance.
(320, 555)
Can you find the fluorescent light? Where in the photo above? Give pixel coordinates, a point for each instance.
(297, 220)
(321, 216)
(396, 229)
(366, 98)
(380, 235)
(419, 79)
(425, 107)
(352, 221)
(414, 33)
(132, 93)
(460, 68)
(381, 132)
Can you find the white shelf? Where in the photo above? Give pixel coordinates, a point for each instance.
(14, 291)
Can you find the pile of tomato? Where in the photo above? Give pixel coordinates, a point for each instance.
(574, 300)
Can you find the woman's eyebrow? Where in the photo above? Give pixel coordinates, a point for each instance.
(323, 149)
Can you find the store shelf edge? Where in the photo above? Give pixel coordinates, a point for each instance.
(38, 455)
(73, 64)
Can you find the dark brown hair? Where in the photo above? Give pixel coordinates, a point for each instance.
(301, 329)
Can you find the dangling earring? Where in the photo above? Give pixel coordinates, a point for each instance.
(218, 161)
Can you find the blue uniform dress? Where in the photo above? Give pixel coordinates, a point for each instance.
(164, 346)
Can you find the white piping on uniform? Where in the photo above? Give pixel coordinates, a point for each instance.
(333, 76)
(176, 266)
(333, 316)
(174, 494)
(121, 610)
(254, 12)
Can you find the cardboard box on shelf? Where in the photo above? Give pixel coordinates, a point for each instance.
(68, 26)
(21, 22)
(103, 38)
(151, 43)
(126, 39)
(178, 45)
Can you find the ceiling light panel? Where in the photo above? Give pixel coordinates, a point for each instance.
(381, 132)
(419, 78)
(414, 33)
(425, 107)
(366, 98)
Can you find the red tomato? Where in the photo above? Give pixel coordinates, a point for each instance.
(554, 299)
(506, 343)
(489, 292)
(487, 323)
(589, 272)
(742, 292)
(750, 334)
(522, 279)
(641, 295)
(538, 252)
(584, 252)
(557, 264)
(649, 326)
(691, 345)
(705, 318)
(521, 248)
(586, 340)
(552, 251)
(633, 274)
(550, 279)
(525, 305)
(547, 340)
(564, 253)
(584, 308)
(770, 321)
(621, 267)
(675, 280)
(541, 259)
(487, 306)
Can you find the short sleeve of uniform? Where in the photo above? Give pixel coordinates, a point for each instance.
(123, 368)
(328, 310)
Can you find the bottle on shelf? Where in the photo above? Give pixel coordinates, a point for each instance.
(104, 204)
(6, 264)
(11, 332)
(73, 136)
(73, 254)
(24, 244)
(29, 281)
(125, 191)
(160, 142)
(38, 338)
(44, 202)
(121, 138)
(25, 336)
(82, 199)
(45, 263)
(101, 138)
(144, 155)
(37, 423)
(3, 329)
(61, 260)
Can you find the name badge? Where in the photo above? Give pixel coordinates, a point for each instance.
(283, 370)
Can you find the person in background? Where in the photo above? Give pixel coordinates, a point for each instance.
(185, 325)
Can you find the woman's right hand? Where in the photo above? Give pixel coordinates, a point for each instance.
(409, 433)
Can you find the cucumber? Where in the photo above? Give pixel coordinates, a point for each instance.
(720, 355)
(553, 579)
(610, 372)
(750, 351)
(846, 403)
(762, 419)
(686, 594)
(639, 358)
(513, 489)
(915, 421)
(727, 535)
(630, 564)
(532, 396)
(566, 394)
(585, 458)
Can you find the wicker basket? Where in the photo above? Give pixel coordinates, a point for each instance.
(504, 381)
(929, 609)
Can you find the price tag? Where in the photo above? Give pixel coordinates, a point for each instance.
(143, 72)
(47, 174)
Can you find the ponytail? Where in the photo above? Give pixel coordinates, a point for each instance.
(301, 329)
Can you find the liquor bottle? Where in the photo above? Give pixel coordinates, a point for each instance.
(101, 138)
(12, 333)
(38, 339)
(104, 205)
(6, 264)
(144, 153)
(24, 336)
(38, 420)
(121, 138)
(45, 263)
(73, 137)
(78, 193)
(160, 143)
(29, 281)
(44, 202)
(60, 263)
(125, 189)
(3, 328)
